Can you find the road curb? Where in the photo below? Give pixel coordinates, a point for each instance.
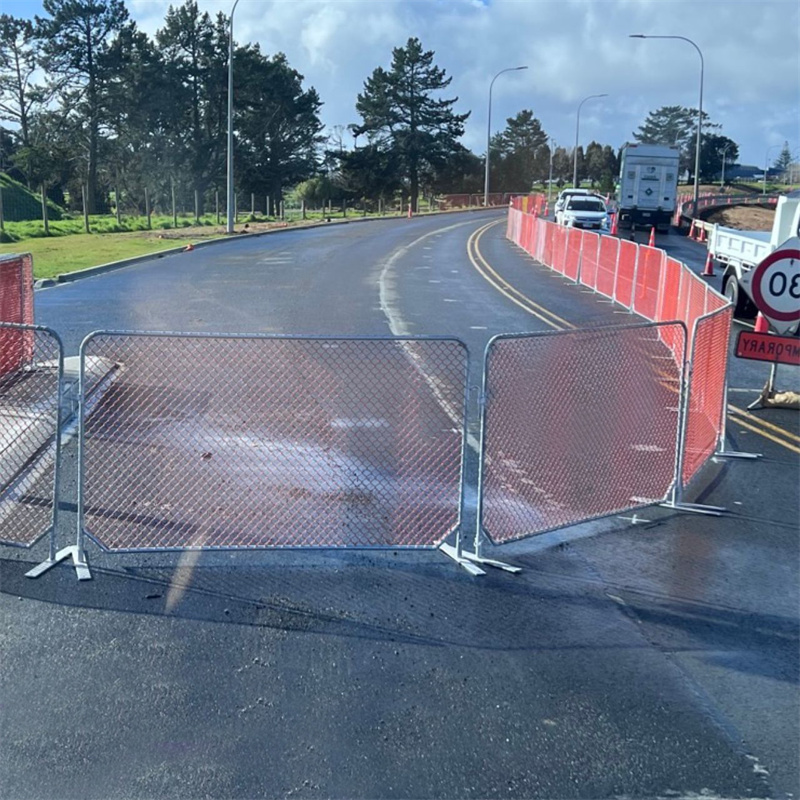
(100, 269)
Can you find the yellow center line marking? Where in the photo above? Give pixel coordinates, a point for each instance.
(524, 302)
(766, 435)
(504, 287)
(752, 418)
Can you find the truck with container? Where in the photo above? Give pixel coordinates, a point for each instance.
(648, 185)
(739, 251)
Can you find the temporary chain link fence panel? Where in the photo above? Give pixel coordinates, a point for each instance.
(572, 262)
(648, 281)
(577, 425)
(626, 274)
(213, 441)
(16, 306)
(559, 248)
(30, 403)
(607, 255)
(706, 394)
(670, 301)
(589, 256)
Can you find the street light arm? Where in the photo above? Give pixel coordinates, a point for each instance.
(489, 131)
(577, 133)
(699, 108)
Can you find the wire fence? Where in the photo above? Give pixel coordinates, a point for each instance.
(31, 366)
(243, 442)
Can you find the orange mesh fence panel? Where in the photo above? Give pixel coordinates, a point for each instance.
(572, 261)
(559, 248)
(695, 299)
(648, 281)
(670, 296)
(16, 307)
(706, 395)
(607, 254)
(539, 239)
(604, 442)
(29, 421)
(589, 254)
(626, 273)
(253, 442)
(548, 233)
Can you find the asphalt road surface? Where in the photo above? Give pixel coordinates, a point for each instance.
(626, 660)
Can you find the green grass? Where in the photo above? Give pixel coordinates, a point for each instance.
(21, 204)
(58, 255)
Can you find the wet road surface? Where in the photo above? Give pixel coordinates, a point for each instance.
(657, 659)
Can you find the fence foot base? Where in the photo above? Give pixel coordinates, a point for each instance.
(78, 561)
(491, 562)
(737, 454)
(696, 508)
(461, 560)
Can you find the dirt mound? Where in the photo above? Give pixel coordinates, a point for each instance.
(744, 218)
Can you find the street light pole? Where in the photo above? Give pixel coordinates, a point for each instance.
(489, 132)
(722, 179)
(577, 135)
(229, 227)
(699, 112)
(550, 179)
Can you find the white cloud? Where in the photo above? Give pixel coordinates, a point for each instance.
(573, 48)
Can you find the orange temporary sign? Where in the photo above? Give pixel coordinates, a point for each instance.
(766, 347)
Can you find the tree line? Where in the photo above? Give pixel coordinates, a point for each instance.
(121, 112)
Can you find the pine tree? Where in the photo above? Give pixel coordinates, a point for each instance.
(402, 114)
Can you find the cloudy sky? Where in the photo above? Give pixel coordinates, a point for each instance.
(573, 48)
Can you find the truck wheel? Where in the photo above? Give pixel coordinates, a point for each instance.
(735, 295)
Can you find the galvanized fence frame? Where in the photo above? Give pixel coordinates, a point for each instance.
(407, 342)
(55, 444)
(481, 535)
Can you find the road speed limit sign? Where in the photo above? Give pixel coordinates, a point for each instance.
(774, 286)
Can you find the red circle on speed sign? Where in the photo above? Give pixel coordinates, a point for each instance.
(776, 288)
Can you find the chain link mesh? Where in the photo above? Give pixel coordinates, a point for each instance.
(274, 442)
(578, 425)
(626, 274)
(572, 262)
(607, 254)
(29, 420)
(706, 396)
(16, 306)
(648, 282)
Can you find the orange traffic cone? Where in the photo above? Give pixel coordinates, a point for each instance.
(546, 209)
(652, 242)
(691, 230)
(702, 237)
(409, 210)
(762, 326)
(614, 224)
(189, 247)
(708, 270)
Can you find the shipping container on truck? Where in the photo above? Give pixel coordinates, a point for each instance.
(648, 185)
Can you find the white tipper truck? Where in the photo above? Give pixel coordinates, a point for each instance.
(648, 185)
(740, 251)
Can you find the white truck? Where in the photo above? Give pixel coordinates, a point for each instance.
(740, 251)
(648, 185)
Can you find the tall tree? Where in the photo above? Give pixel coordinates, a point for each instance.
(714, 146)
(194, 48)
(522, 148)
(18, 95)
(677, 126)
(401, 112)
(784, 159)
(277, 123)
(74, 38)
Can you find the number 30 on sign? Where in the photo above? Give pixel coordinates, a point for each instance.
(774, 286)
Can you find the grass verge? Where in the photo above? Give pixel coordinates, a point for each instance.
(54, 256)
